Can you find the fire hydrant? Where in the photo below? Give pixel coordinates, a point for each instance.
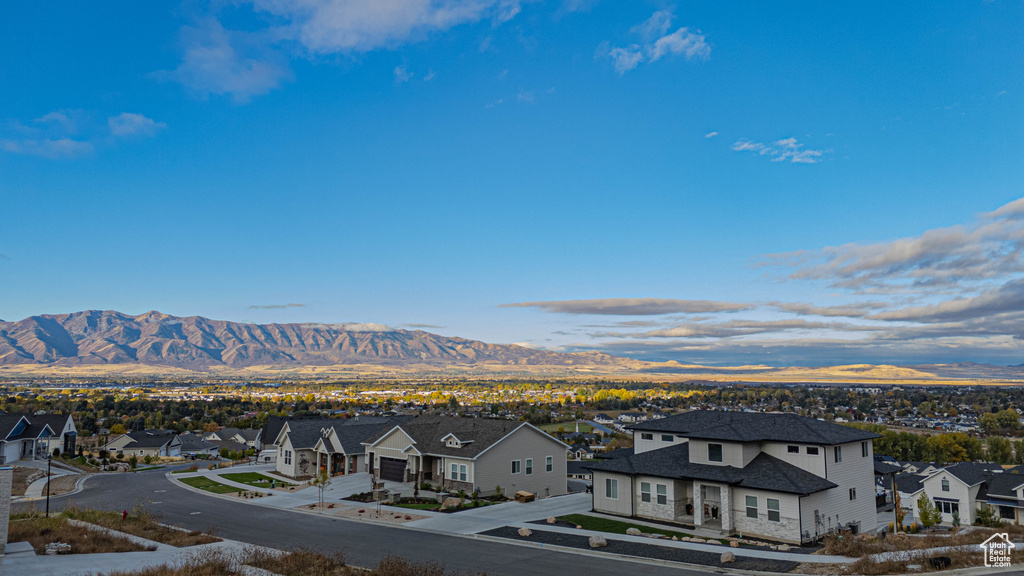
(124, 515)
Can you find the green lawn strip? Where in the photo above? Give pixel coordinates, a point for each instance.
(617, 527)
(419, 506)
(253, 479)
(209, 485)
(184, 471)
(567, 427)
(144, 468)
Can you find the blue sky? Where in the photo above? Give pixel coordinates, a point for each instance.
(717, 183)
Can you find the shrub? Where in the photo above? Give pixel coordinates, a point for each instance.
(120, 456)
(133, 461)
(56, 452)
(148, 459)
(986, 516)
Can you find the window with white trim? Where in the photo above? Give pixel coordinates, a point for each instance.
(864, 449)
(645, 491)
(668, 438)
(853, 493)
(662, 490)
(838, 453)
(549, 464)
(812, 450)
(287, 456)
(793, 449)
(611, 488)
(455, 471)
(529, 466)
(751, 502)
(646, 436)
(517, 466)
(773, 510)
(462, 472)
(945, 484)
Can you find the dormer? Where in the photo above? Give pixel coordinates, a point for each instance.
(450, 441)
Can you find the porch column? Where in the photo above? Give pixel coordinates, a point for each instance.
(725, 513)
(698, 504)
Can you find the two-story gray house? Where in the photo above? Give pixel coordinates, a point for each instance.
(778, 476)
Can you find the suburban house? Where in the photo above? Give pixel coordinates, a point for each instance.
(471, 454)
(249, 438)
(778, 476)
(194, 445)
(962, 489)
(22, 438)
(155, 443)
(332, 444)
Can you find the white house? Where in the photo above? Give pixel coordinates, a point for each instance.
(777, 476)
(964, 487)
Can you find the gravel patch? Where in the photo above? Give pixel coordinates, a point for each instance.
(647, 550)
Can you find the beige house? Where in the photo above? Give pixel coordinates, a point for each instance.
(334, 444)
(471, 454)
(155, 443)
(777, 476)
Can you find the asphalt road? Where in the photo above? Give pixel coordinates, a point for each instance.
(362, 543)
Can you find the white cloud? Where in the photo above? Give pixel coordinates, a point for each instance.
(711, 134)
(57, 148)
(402, 75)
(658, 42)
(430, 76)
(781, 151)
(526, 96)
(219, 61)
(130, 124)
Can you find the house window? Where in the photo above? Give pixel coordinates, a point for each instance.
(853, 493)
(838, 451)
(773, 510)
(549, 464)
(668, 438)
(714, 452)
(529, 466)
(662, 493)
(945, 484)
(793, 449)
(462, 472)
(646, 436)
(947, 507)
(611, 488)
(864, 449)
(751, 506)
(645, 491)
(287, 456)
(812, 450)
(455, 471)
(516, 466)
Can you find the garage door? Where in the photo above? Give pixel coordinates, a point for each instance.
(392, 469)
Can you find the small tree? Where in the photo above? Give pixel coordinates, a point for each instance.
(986, 516)
(133, 461)
(118, 429)
(900, 512)
(321, 481)
(956, 518)
(928, 514)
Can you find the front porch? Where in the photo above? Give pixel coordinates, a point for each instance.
(337, 463)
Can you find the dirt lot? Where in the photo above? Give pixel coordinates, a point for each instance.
(23, 477)
(63, 484)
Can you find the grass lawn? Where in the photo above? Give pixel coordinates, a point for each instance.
(568, 427)
(254, 479)
(432, 506)
(144, 468)
(617, 527)
(209, 485)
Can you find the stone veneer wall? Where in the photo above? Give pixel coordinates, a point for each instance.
(6, 477)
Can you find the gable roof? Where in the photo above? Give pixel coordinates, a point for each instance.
(970, 473)
(352, 432)
(909, 483)
(476, 434)
(1003, 485)
(755, 427)
(194, 443)
(150, 438)
(764, 472)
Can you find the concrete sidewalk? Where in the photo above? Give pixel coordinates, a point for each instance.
(37, 488)
(477, 520)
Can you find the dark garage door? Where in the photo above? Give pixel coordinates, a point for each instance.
(392, 469)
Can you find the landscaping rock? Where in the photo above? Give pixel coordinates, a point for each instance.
(734, 544)
(675, 538)
(598, 542)
(633, 531)
(551, 520)
(54, 548)
(578, 527)
(687, 539)
(914, 567)
(524, 532)
(784, 547)
(451, 503)
(727, 558)
(698, 540)
(712, 541)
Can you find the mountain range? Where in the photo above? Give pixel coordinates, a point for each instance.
(95, 337)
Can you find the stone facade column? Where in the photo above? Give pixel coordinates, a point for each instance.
(6, 476)
(726, 510)
(698, 505)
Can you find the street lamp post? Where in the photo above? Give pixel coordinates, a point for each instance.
(48, 478)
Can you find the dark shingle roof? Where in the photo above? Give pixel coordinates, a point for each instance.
(194, 443)
(882, 467)
(909, 483)
(149, 438)
(352, 432)
(576, 467)
(971, 473)
(1002, 485)
(764, 472)
(476, 434)
(755, 427)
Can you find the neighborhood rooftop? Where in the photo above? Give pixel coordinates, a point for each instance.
(755, 427)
